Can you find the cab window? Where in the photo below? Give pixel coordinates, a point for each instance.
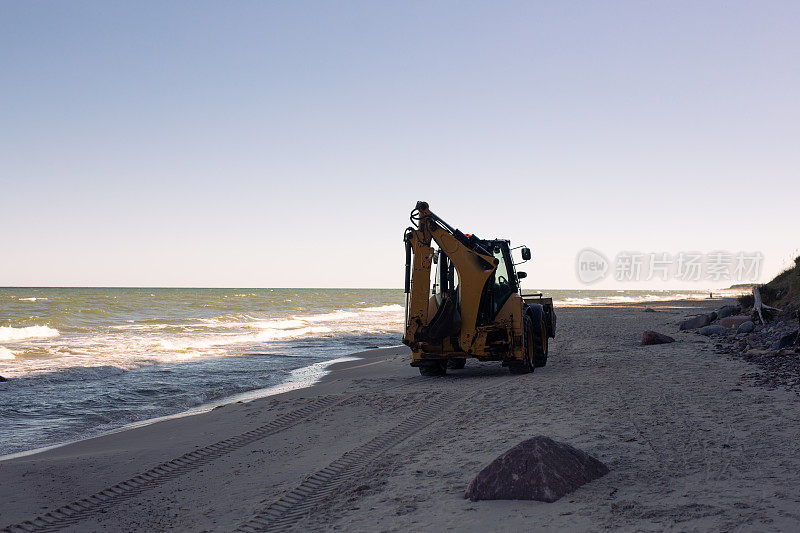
(445, 278)
(502, 286)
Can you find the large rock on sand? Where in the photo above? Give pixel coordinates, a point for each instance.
(653, 337)
(713, 330)
(698, 321)
(746, 327)
(728, 310)
(536, 469)
(734, 321)
(786, 341)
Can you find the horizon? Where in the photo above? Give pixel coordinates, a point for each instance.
(588, 289)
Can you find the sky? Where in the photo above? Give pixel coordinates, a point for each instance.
(283, 144)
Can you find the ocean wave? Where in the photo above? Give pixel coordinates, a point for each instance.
(5, 353)
(383, 308)
(207, 343)
(337, 315)
(272, 334)
(601, 300)
(75, 373)
(293, 323)
(250, 322)
(31, 299)
(9, 334)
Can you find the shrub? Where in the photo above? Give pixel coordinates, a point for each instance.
(746, 300)
(769, 294)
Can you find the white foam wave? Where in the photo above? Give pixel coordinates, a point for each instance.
(207, 343)
(272, 334)
(131, 344)
(337, 315)
(336, 318)
(298, 378)
(180, 345)
(9, 334)
(281, 324)
(32, 299)
(383, 308)
(604, 300)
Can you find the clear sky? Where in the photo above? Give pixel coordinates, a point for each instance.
(283, 143)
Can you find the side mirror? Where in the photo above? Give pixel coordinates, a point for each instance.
(526, 254)
(522, 275)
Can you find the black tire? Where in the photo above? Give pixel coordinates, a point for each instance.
(525, 366)
(456, 364)
(540, 344)
(434, 369)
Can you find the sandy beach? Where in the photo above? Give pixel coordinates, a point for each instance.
(691, 444)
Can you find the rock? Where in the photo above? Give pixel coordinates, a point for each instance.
(734, 321)
(698, 321)
(2, 379)
(653, 337)
(649, 310)
(713, 330)
(786, 341)
(538, 469)
(746, 327)
(728, 310)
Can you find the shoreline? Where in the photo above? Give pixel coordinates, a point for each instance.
(290, 384)
(320, 370)
(680, 427)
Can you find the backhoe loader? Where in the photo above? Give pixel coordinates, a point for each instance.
(474, 307)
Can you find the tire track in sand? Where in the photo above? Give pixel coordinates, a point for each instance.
(294, 505)
(285, 512)
(74, 512)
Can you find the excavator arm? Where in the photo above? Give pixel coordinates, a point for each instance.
(474, 265)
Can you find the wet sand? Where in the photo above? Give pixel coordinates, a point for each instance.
(691, 444)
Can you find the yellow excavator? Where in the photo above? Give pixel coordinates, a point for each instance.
(472, 306)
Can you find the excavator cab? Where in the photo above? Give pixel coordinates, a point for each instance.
(472, 305)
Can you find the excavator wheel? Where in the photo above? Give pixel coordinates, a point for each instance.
(525, 366)
(435, 368)
(540, 344)
(456, 364)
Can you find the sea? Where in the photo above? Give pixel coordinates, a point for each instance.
(79, 362)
